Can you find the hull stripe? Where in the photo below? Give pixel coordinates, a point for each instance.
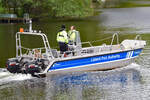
(73, 63)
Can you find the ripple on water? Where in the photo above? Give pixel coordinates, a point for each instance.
(104, 85)
(7, 77)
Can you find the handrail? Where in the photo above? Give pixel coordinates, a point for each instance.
(25, 48)
(31, 49)
(87, 43)
(138, 36)
(115, 34)
(44, 37)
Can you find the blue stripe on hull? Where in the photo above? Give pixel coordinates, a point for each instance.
(136, 52)
(94, 59)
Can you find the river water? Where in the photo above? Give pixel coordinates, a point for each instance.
(129, 83)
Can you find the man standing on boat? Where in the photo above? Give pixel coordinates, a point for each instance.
(62, 39)
(74, 41)
(72, 34)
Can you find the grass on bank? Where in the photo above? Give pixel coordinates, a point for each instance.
(132, 4)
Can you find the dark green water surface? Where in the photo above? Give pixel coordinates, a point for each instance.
(127, 21)
(129, 83)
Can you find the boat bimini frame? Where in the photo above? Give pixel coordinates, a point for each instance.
(45, 41)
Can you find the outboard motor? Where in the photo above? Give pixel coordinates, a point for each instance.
(13, 65)
(32, 68)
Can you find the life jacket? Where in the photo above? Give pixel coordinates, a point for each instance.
(62, 37)
(72, 35)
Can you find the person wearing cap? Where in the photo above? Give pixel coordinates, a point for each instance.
(62, 39)
(72, 34)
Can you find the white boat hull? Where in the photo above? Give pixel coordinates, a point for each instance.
(95, 67)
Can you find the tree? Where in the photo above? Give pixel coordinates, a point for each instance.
(55, 8)
(11, 4)
(71, 8)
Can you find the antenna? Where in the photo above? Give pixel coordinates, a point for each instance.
(30, 25)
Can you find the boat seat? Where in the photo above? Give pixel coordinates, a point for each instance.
(88, 51)
(55, 53)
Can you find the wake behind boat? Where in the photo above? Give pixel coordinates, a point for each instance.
(46, 61)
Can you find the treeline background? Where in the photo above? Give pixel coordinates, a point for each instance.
(53, 8)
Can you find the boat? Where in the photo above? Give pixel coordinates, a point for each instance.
(44, 61)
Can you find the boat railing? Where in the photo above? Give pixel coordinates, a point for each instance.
(113, 37)
(33, 48)
(45, 40)
(138, 37)
(30, 51)
(96, 49)
(104, 47)
(87, 43)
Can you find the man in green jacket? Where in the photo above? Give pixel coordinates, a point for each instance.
(72, 34)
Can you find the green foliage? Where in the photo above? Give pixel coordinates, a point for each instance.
(132, 4)
(55, 8)
(1, 8)
(73, 8)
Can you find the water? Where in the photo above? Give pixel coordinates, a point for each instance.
(129, 18)
(114, 85)
(128, 83)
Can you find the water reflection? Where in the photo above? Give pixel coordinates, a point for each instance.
(94, 85)
(120, 84)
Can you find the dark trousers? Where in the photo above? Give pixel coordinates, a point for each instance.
(63, 47)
